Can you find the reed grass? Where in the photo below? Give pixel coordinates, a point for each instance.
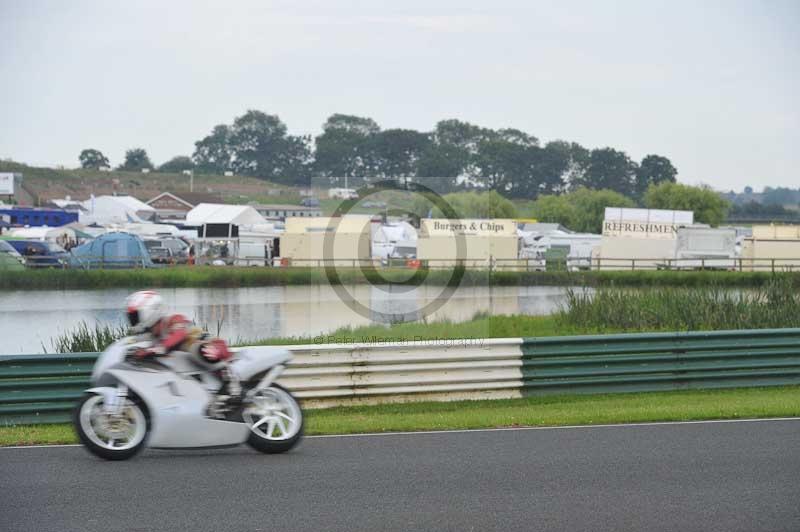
(87, 339)
(775, 304)
(233, 277)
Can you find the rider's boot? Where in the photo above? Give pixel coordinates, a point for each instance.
(231, 387)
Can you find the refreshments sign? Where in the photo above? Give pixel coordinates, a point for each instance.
(645, 223)
(639, 229)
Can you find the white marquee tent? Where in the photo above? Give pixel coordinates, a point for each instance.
(106, 210)
(217, 213)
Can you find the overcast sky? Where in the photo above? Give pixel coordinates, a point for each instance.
(712, 85)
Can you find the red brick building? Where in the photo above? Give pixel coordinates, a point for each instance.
(172, 206)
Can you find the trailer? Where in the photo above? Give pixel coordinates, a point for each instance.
(772, 248)
(700, 247)
(577, 245)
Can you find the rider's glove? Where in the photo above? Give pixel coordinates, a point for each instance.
(150, 351)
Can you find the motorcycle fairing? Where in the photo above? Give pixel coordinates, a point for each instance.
(177, 409)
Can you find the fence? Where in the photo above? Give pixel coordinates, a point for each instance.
(564, 264)
(44, 388)
(490, 264)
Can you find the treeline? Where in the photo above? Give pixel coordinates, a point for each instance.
(583, 209)
(455, 156)
(767, 202)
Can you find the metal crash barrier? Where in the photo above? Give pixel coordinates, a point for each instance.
(44, 388)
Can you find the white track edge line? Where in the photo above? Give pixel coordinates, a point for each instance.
(500, 429)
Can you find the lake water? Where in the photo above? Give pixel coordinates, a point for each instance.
(30, 319)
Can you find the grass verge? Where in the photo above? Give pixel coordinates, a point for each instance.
(552, 410)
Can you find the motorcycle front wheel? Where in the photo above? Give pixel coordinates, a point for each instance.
(275, 420)
(113, 436)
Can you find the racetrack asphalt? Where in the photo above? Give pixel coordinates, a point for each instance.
(719, 476)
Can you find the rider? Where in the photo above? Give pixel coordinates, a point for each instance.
(170, 333)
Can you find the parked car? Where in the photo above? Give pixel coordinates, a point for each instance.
(309, 202)
(10, 259)
(168, 250)
(160, 255)
(41, 254)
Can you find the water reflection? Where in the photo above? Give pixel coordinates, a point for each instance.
(29, 320)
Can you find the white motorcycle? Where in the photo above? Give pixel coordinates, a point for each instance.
(172, 403)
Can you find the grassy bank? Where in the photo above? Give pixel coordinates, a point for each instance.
(207, 276)
(557, 410)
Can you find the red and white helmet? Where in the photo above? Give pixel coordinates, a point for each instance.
(145, 309)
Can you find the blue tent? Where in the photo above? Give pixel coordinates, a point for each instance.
(112, 250)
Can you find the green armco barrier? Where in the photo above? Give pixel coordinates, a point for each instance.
(44, 388)
(660, 361)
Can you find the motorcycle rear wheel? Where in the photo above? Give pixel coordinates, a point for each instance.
(111, 437)
(275, 420)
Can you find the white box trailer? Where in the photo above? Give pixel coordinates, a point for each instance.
(705, 247)
(348, 240)
(639, 238)
(772, 247)
(623, 253)
(486, 243)
(580, 246)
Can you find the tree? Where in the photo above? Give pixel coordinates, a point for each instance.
(136, 159)
(515, 136)
(551, 170)
(354, 124)
(610, 169)
(344, 147)
(708, 206)
(439, 167)
(296, 160)
(212, 154)
(463, 141)
(469, 205)
(780, 196)
(654, 170)
(501, 165)
(177, 164)
(591, 206)
(91, 158)
(754, 208)
(577, 162)
(262, 148)
(553, 208)
(396, 152)
(582, 210)
(519, 170)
